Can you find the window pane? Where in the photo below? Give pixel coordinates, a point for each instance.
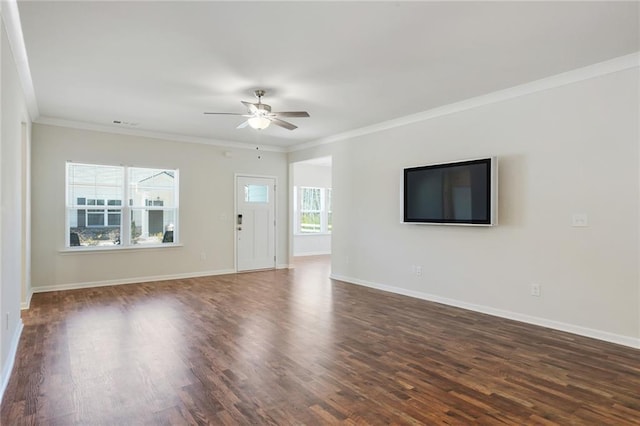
(310, 198)
(256, 193)
(152, 226)
(94, 183)
(315, 210)
(99, 235)
(150, 187)
(310, 222)
(310, 210)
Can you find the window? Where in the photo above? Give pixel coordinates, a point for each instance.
(313, 210)
(256, 193)
(327, 200)
(100, 197)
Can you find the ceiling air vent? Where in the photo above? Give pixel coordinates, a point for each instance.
(125, 123)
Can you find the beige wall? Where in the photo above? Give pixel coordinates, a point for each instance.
(206, 207)
(564, 150)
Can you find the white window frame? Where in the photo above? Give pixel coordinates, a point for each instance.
(125, 209)
(324, 216)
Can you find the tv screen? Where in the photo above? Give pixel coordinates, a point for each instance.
(461, 193)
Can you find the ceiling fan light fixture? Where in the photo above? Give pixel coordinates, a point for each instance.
(259, 122)
(261, 117)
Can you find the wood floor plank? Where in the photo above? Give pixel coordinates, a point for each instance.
(293, 347)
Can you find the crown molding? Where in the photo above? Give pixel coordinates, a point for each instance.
(11, 19)
(580, 74)
(58, 122)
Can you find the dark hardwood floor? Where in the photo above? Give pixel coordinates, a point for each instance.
(293, 347)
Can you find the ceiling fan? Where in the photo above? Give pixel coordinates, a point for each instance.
(259, 116)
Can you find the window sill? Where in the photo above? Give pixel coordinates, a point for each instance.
(117, 248)
(311, 234)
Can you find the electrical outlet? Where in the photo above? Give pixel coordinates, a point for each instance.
(418, 271)
(579, 220)
(203, 256)
(535, 289)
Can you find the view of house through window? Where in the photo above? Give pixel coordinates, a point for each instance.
(314, 210)
(112, 205)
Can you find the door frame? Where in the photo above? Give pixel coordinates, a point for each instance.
(235, 215)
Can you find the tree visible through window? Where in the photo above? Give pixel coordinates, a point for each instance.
(314, 210)
(100, 197)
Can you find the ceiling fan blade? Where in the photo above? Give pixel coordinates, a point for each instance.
(223, 113)
(253, 108)
(283, 123)
(243, 125)
(292, 114)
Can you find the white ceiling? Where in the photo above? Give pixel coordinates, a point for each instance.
(349, 64)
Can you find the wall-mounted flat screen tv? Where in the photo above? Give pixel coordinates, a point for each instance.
(458, 193)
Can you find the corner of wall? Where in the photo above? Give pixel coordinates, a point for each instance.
(26, 304)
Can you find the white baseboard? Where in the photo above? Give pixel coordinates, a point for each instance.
(7, 368)
(312, 253)
(283, 266)
(25, 305)
(134, 280)
(556, 325)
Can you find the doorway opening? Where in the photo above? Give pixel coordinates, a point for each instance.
(312, 207)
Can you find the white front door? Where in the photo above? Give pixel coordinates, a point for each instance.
(255, 223)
